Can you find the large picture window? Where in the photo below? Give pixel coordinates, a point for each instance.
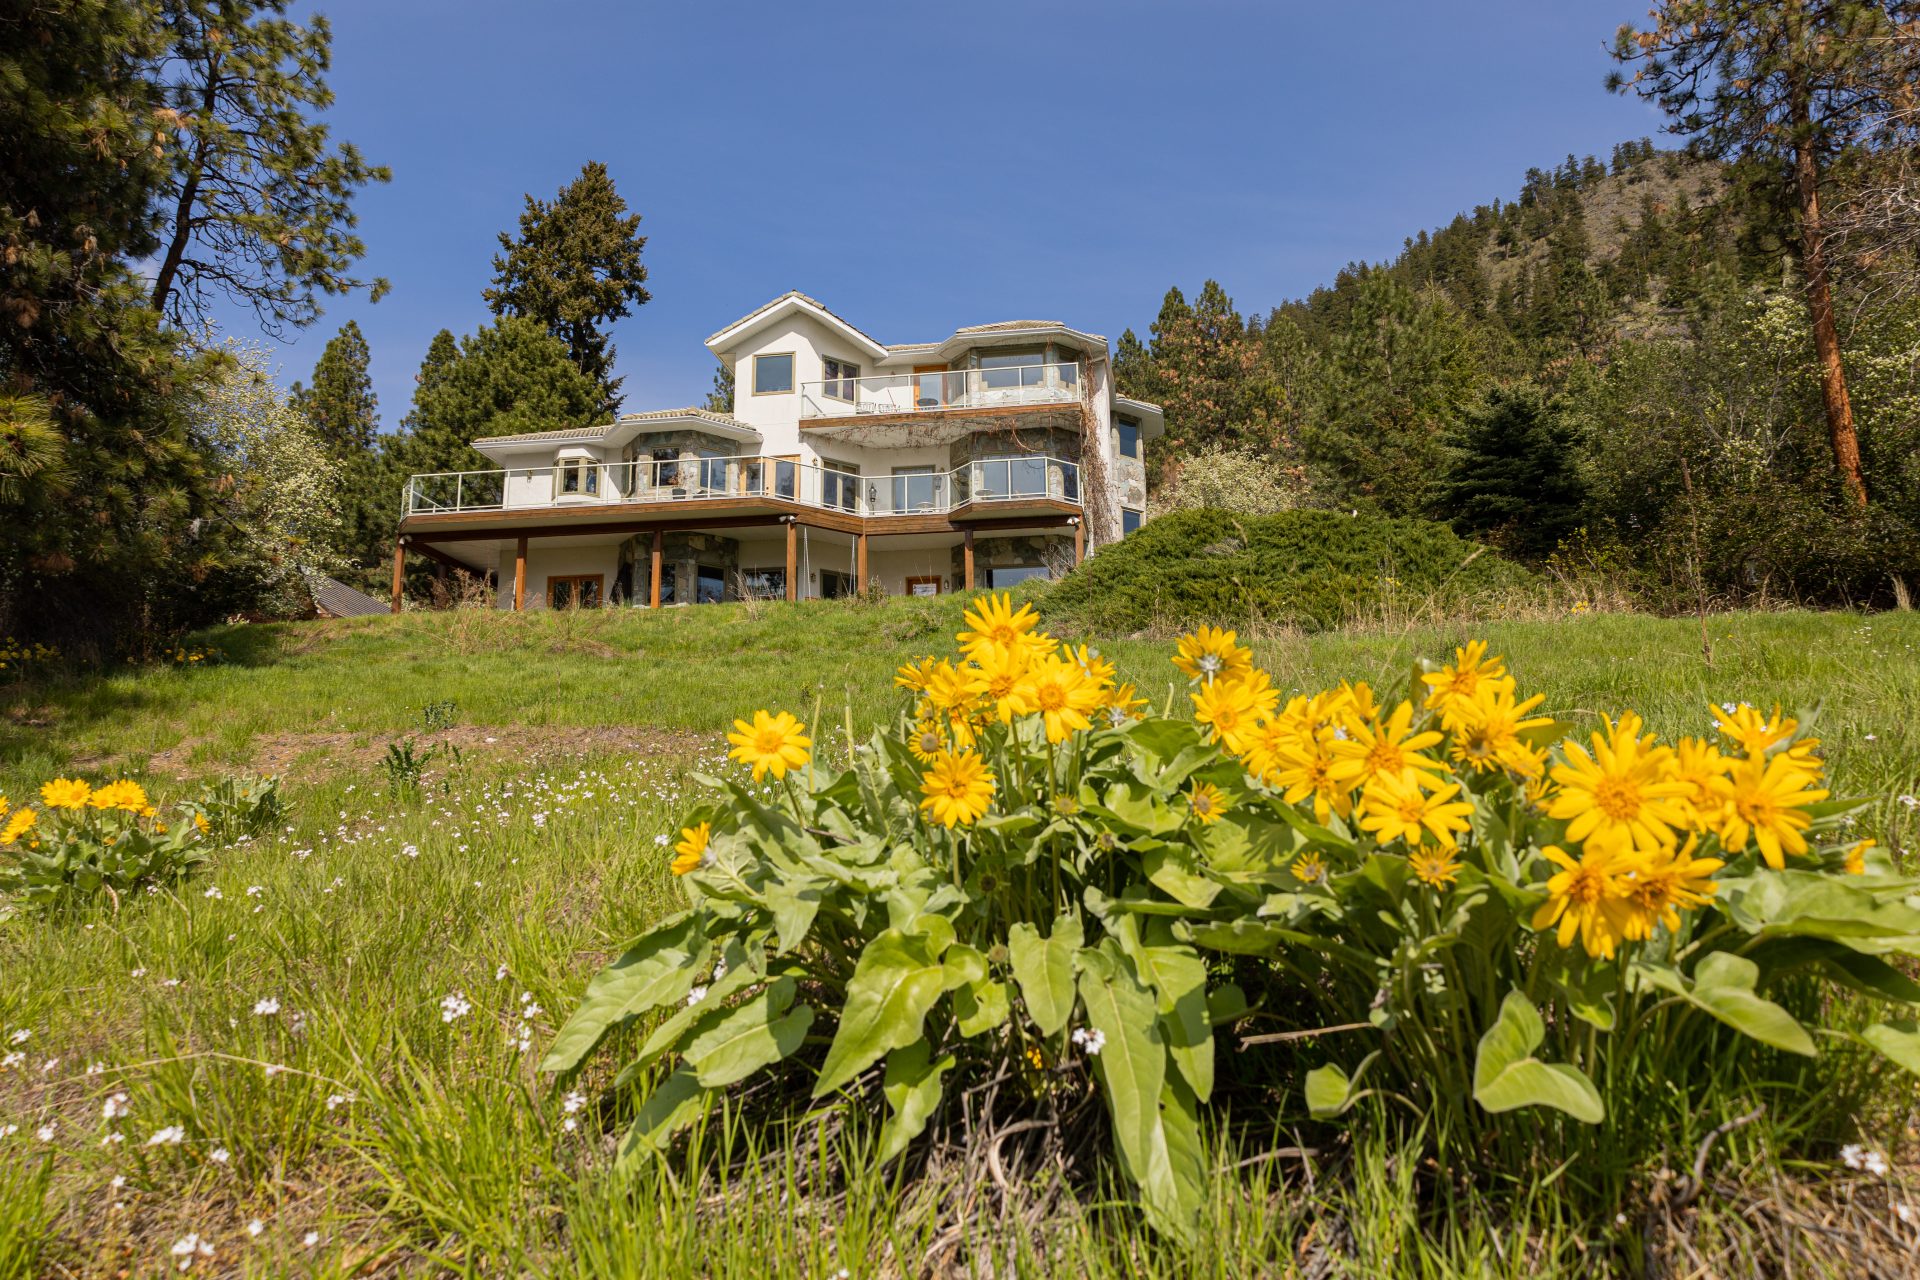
(1127, 437)
(1004, 370)
(773, 374)
(1008, 575)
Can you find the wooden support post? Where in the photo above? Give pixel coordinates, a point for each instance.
(1079, 540)
(399, 570)
(520, 575)
(860, 565)
(653, 592)
(967, 557)
(793, 559)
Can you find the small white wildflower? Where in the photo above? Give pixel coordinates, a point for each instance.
(274, 1069)
(136, 973)
(115, 1107)
(8, 1130)
(696, 995)
(573, 1102)
(267, 1007)
(1852, 1154)
(311, 1239)
(1905, 1212)
(171, 1136)
(255, 1227)
(189, 1247)
(119, 1181)
(1875, 1164)
(46, 1068)
(12, 1060)
(500, 974)
(96, 1068)
(661, 840)
(337, 1100)
(220, 1155)
(455, 1007)
(20, 1036)
(539, 820)
(214, 893)
(410, 850)
(44, 1133)
(1091, 1041)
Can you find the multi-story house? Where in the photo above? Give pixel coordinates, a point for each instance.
(996, 454)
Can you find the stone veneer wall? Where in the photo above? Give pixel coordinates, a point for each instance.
(681, 555)
(1052, 550)
(688, 445)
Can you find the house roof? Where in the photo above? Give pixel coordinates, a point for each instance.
(338, 600)
(625, 428)
(791, 300)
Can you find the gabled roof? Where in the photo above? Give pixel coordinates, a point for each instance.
(789, 303)
(627, 426)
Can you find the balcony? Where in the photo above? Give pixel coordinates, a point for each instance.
(743, 484)
(859, 409)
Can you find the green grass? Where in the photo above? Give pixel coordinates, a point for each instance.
(409, 1143)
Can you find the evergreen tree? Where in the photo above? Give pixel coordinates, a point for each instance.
(505, 379)
(257, 206)
(1514, 476)
(720, 399)
(341, 405)
(574, 268)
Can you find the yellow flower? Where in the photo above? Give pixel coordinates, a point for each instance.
(926, 741)
(1233, 707)
(1394, 807)
(1305, 769)
(1857, 858)
(1308, 867)
(692, 848)
(1123, 704)
(17, 826)
(1098, 669)
(1699, 765)
(1766, 801)
(1060, 693)
(201, 824)
(770, 744)
(1623, 787)
(1453, 689)
(950, 696)
(913, 676)
(125, 795)
(4, 806)
(958, 788)
(995, 621)
(1667, 880)
(1208, 653)
(1588, 897)
(1435, 868)
(1486, 734)
(1754, 732)
(996, 673)
(1372, 750)
(65, 793)
(1206, 803)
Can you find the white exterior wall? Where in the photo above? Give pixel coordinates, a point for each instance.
(547, 562)
(777, 416)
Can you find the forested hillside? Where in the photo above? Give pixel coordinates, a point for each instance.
(1610, 372)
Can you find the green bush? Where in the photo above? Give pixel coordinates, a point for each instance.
(1311, 569)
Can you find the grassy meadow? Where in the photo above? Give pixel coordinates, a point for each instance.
(317, 1058)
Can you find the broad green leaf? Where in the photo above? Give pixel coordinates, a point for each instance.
(658, 969)
(895, 983)
(1723, 986)
(677, 1103)
(1044, 970)
(1178, 979)
(752, 1035)
(1897, 1042)
(964, 966)
(1874, 976)
(665, 1036)
(1240, 937)
(1226, 1003)
(1174, 872)
(794, 905)
(1786, 903)
(1506, 1076)
(1330, 1091)
(981, 1007)
(912, 1089)
(1171, 1187)
(1132, 1064)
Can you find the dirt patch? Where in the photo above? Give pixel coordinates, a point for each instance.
(309, 755)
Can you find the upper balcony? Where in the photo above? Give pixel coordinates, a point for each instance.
(753, 485)
(872, 410)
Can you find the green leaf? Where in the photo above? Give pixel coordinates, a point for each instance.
(668, 1109)
(658, 969)
(1788, 903)
(912, 1089)
(1897, 1042)
(1174, 872)
(752, 1035)
(1723, 986)
(1044, 970)
(895, 983)
(964, 966)
(1874, 976)
(1506, 1076)
(738, 978)
(1132, 1070)
(1172, 1187)
(1330, 1091)
(1178, 979)
(981, 1007)
(794, 905)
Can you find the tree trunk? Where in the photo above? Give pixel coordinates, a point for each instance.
(182, 226)
(1826, 336)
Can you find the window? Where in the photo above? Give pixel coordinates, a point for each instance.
(995, 478)
(710, 587)
(1008, 576)
(667, 593)
(1127, 433)
(835, 585)
(772, 374)
(915, 489)
(713, 472)
(841, 379)
(785, 472)
(666, 467)
(577, 475)
(1004, 370)
(1070, 482)
(753, 477)
(581, 590)
(1129, 520)
(840, 485)
(764, 584)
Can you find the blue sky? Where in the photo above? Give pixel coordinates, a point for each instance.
(921, 167)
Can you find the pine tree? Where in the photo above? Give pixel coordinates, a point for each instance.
(1513, 477)
(574, 268)
(720, 399)
(341, 404)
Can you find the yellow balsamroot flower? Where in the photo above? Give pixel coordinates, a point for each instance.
(1232, 707)
(770, 744)
(1309, 867)
(1857, 858)
(995, 621)
(1455, 688)
(1700, 765)
(1766, 801)
(201, 824)
(1206, 803)
(913, 676)
(1667, 880)
(1059, 692)
(1122, 704)
(1354, 700)
(926, 741)
(1754, 732)
(1487, 737)
(1098, 669)
(958, 789)
(1587, 898)
(950, 697)
(1306, 769)
(1208, 653)
(1625, 787)
(65, 793)
(1394, 807)
(996, 673)
(128, 796)
(18, 825)
(1436, 868)
(1372, 749)
(691, 849)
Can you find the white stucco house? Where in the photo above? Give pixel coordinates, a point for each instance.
(997, 453)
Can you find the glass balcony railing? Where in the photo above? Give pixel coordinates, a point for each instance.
(1007, 386)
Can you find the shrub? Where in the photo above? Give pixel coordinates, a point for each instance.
(1222, 479)
(1311, 569)
(1029, 882)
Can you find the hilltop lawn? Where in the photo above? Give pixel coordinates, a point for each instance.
(342, 1019)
